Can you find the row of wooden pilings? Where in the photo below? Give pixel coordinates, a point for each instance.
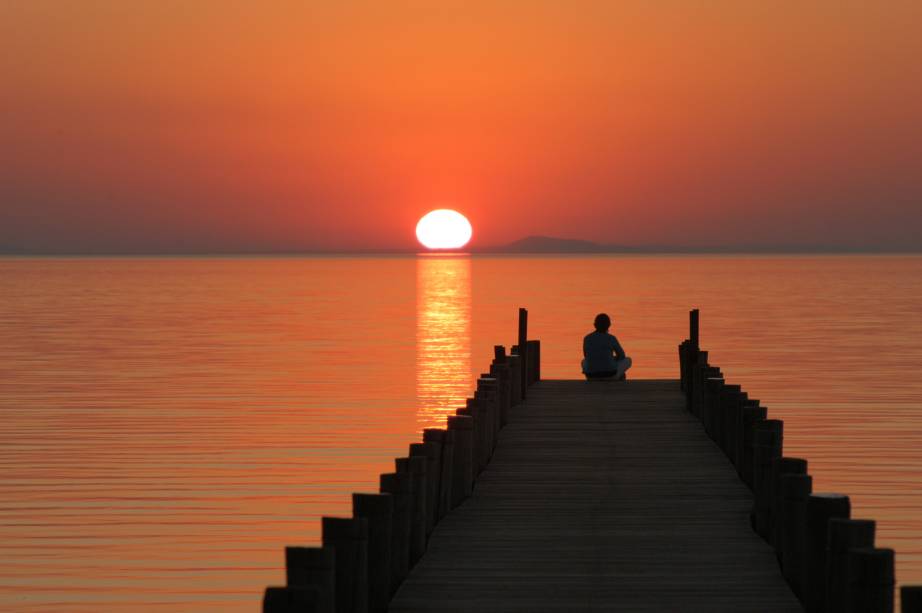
(828, 558)
(365, 558)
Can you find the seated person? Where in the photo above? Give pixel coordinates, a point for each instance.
(603, 356)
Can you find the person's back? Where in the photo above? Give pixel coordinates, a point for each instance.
(603, 356)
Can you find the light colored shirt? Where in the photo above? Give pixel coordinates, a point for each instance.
(602, 352)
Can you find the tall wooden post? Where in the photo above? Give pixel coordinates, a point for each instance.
(348, 536)
(432, 452)
(751, 413)
(415, 467)
(378, 511)
(693, 328)
(871, 580)
(691, 357)
(462, 427)
(400, 487)
(523, 347)
(820, 509)
(780, 467)
(795, 489)
(442, 493)
(842, 536)
(313, 567)
(767, 444)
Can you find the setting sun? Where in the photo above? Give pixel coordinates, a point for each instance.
(443, 229)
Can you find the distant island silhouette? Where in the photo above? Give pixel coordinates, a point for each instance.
(552, 244)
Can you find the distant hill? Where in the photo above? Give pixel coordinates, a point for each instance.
(551, 244)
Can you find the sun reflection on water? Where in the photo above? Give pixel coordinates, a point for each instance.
(443, 336)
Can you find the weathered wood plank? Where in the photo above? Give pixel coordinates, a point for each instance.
(600, 496)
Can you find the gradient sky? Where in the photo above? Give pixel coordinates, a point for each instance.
(168, 125)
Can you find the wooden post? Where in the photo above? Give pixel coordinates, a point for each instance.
(728, 397)
(843, 535)
(735, 426)
(481, 446)
(683, 363)
(693, 328)
(523, 348)
(515, 378)
(378, 511)
(752, 416)
(767, 445)
(446, 463)
(463, 484)
(911, 598)
(692, 352)
(416, 468)
(749, 413)
(795, 489)
(292, 600)
(432, 452)
(820, 509)
(870, 580)
(692, 358)
(486, 396)
(731, 402)
(492, 400)
(500, 370)
(694, 392)
(534, 360)
(694, 389)
(473, 410)
(779, 468)
(488, 391)
(706, 408)
(400, 487)
(447, 493)
(313, 567)
(348, 536)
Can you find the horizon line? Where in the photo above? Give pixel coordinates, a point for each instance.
(470, 252)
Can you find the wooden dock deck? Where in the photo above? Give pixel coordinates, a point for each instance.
(601, 496)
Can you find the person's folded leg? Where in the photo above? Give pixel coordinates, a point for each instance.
(623, 366)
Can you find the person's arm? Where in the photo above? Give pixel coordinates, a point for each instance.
(616, 347)
(585, 348)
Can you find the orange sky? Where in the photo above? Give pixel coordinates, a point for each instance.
(231, 125)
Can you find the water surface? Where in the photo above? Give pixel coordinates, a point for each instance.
(169, 425)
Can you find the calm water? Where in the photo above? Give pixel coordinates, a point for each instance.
(169, 425)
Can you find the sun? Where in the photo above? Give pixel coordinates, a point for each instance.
(443, 229)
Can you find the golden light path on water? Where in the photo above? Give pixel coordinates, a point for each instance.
(443, 336)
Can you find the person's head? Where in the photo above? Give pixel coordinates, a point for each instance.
(602, 322)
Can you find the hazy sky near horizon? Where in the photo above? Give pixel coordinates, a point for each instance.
(233, 125)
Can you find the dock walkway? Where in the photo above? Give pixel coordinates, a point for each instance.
(602, 496)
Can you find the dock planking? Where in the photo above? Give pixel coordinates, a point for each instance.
(600, 496)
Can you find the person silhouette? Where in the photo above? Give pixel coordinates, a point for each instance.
(603, 357)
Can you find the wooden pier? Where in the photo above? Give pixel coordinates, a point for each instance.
(640, 495)
(601, 496)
